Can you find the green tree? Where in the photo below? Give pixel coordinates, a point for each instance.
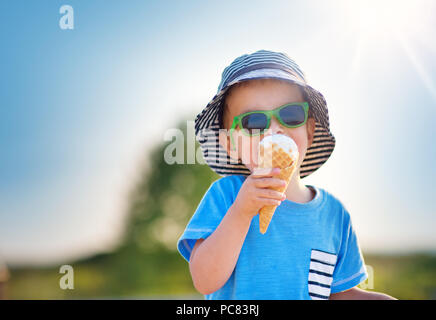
(146, 262)
(164, 199)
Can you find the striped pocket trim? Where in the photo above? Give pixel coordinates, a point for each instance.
(322, 266)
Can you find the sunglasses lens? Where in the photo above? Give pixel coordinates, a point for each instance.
(254, 122)
(292, 115)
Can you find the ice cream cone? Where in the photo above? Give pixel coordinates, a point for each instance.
(275, 154)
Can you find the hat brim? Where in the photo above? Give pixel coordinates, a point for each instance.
(207, 125)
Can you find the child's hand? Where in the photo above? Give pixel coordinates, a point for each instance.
(255, 192)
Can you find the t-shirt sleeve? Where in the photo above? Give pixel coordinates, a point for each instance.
(350, 267)
(208, 215)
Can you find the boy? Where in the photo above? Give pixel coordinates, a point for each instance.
(310, 250)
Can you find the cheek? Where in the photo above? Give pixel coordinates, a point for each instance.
(299, 135)
(249, 151)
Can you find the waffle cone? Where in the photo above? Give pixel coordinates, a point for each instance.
(275, 157)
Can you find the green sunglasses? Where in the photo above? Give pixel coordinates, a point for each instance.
(290, 115)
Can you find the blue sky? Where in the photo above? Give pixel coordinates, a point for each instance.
(76, 107)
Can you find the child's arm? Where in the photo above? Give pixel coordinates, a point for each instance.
(212, 260)
(359, 294)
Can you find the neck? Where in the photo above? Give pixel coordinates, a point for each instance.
(297, 191)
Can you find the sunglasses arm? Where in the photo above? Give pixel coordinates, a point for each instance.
(231, 139)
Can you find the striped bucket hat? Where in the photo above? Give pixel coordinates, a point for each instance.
(260, 65)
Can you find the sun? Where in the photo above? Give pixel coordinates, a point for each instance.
(393, 22)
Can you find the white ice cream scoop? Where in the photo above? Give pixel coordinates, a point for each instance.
(282, 141)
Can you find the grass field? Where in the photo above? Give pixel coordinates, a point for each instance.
(166, 276)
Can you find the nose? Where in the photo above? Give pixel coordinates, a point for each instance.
(275, 127)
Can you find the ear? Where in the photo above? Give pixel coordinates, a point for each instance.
(310, 131)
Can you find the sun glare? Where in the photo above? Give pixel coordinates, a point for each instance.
(382, 17)
(393, 22)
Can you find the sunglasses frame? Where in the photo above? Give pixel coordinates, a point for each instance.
(237, 121)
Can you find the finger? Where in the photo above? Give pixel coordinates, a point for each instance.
(271, 194)
(268, 201)
(265, 172)
(269, 183)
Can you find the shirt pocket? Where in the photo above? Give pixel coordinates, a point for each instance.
(322, 265)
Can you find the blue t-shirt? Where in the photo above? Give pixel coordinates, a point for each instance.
(309, 250)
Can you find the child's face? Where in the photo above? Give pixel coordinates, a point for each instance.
(264, 95)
